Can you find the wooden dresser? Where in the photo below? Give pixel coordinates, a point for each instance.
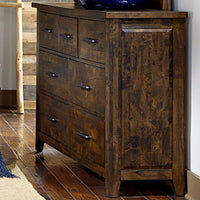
(110, 91)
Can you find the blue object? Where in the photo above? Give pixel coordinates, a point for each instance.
(112, 4)
(4, 172)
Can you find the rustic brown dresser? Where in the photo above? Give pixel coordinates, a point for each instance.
(110, 91)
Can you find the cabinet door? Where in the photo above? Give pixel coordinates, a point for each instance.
(147, 98)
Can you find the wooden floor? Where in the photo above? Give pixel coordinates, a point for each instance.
(56, 176)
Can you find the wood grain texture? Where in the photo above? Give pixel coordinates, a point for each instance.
(53, 73)
(29, 92)
(113, 110)
(146, 98)
(29, 80)
(30, 105)
(82, 76)
(179, 108)
(146, 174)
(92, 40)
(19, 57)
(29, 22)
(135, 139)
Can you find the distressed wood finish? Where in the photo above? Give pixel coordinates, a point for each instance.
(82, 75)
(92, 40)
(147, 104)
(123, 89)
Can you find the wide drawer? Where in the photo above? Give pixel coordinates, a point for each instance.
(86, 136)
(53, 74)
(92, 40)
(53, 118)
(48, 30)
(87, 86)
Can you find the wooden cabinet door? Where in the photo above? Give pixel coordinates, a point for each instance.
(147, 98)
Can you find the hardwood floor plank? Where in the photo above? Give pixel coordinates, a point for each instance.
(157, 197)
(135, 198)
(68, 179)
(50, 184)
(101, 193)
(32, 180)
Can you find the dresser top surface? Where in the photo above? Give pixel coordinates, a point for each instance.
(69, 9)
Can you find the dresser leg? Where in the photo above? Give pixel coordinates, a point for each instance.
(39, 145)
(179, 185)
(112, 190)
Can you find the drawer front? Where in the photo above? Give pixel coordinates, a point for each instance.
(92, 40)
(86, 136)
(87, 86)
(53, 118)
(48, 30)
(68, 35)
(53, 74)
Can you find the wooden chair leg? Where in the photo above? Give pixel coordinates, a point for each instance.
(19, 53)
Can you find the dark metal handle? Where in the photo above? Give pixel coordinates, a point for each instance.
(52, 74)
(87, 137)
(91, 40)
(52, 119)
(66, 36)
(84, 87)
(48, 30)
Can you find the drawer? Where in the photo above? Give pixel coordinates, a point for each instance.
(86, 136)
(92, 40)
(53, 118)
(48, 30)
(87, 86)
(53, 74)
(68, 35)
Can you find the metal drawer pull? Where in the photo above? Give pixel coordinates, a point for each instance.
(91, 41)
(52, 119)
(66, 36)
(87, 137)
(84, 87)
(52, 74)
(48, 30)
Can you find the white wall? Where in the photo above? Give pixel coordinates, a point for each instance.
(193, 7)
(7, 48)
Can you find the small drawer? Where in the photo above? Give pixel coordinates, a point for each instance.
(53, 74)
(48, 30)
(68, 35)
(92, 40)
(87, 86)
(86, 136)
(53, 118)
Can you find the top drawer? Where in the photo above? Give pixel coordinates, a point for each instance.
(58, 33)
(68, 35)
(48, 29)
(92, 40)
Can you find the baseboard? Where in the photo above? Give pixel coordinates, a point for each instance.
(8, 98)
(193, 186)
